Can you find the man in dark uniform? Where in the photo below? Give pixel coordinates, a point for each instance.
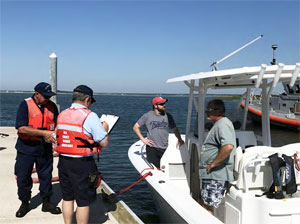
(36, 121)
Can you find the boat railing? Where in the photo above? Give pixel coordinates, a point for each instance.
(143, 153)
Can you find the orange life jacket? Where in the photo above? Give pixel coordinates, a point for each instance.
(37, 119)
(70, 136)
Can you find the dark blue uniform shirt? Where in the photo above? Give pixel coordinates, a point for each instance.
(30, 147)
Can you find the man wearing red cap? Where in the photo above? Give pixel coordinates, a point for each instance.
(158, 122)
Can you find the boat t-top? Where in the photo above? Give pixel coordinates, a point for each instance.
(176, 185)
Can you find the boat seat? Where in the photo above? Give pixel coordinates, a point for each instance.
(237, 158)
(253, 169)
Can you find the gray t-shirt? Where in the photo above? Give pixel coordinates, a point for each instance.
(222, 133)
(157, 127)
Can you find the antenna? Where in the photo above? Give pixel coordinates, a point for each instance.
(214, 64)
(274, 46)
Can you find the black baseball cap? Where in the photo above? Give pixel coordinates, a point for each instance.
(86, 90)
(44, 89)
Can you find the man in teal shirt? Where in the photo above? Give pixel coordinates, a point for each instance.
(217, 156)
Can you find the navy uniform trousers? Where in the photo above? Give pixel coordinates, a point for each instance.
(23, 170)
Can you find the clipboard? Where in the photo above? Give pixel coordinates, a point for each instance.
(111, 120)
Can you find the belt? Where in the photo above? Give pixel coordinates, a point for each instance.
(86, 158)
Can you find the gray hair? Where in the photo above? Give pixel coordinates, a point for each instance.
(77, 96)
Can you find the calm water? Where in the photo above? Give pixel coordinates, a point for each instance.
(114, 162)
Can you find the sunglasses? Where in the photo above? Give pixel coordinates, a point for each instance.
(210, 109)
(46, 97)
(161, 104)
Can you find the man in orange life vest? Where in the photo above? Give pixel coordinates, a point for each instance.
(36, 121)
(79, 135)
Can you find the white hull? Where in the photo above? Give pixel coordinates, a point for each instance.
(164, 209)
(171, 194)
(179, 209)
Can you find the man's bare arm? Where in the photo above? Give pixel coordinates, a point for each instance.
(224, 152)
(136, 129)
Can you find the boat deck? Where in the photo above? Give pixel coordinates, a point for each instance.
(112, 211)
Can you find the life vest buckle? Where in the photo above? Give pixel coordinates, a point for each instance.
(87, 144)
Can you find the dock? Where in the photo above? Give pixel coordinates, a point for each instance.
(108, 211)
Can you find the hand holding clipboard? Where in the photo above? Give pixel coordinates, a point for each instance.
(111, 120)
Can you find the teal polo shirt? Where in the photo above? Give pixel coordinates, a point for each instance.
(222, 133)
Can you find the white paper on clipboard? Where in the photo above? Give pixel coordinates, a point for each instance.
(111, 120)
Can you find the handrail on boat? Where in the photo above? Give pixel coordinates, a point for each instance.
(143, 151)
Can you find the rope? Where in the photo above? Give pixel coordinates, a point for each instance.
(141, 174)
(149, 169)
(296, 162)
(107, 197)
(142, 178)
(139, 180)
(110, 197)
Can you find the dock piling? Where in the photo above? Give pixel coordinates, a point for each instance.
(53, 75)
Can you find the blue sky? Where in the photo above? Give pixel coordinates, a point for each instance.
(135, 46)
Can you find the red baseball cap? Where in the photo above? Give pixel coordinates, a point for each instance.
(158, 99)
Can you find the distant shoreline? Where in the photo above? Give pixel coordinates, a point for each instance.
(95, 93)
(222, 96)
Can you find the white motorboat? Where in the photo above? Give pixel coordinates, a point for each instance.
(176, 185)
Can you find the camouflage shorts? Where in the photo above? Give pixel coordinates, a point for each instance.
(213, 191)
